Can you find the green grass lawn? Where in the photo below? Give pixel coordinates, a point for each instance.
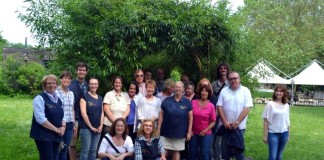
(15, 121)
(306, 141)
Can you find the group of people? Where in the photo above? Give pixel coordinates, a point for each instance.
(153, 120)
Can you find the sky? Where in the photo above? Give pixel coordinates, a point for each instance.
(11, 28)
(15, 31)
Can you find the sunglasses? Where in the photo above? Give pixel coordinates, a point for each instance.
(139, 76)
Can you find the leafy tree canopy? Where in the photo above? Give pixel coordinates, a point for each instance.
(115, 37)
(289, 34)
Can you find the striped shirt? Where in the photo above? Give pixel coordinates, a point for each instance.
(67, 101)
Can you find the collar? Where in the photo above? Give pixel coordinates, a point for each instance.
(174, 99)
(59, 88)
(52, 96)
(83, 81)
(115, 93)
(143, 138)
(235, 89)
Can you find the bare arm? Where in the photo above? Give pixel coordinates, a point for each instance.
(126, 112)
(101, 121)
(265, 130)
(108, 113)
(160, 120)
(189, 132)
(75, 126)
(62, 129)
(48, 125)
(241, 117)
(127, 154)
(83, 105)
(210, 126)
(288, 133)
(104, 155)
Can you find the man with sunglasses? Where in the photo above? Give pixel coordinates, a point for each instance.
(233, 105)
(139, 78)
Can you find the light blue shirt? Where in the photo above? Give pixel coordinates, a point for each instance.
(39, 107)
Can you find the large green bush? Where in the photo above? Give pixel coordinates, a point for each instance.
(30, 77)
(21, 78)
(10, 74)
(3, 86)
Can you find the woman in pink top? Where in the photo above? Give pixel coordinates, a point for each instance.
(204, 117)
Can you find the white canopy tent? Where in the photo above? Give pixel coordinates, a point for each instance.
(312, 74)
(265, 74)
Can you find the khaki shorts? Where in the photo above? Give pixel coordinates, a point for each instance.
(174, 144)
(74, 139)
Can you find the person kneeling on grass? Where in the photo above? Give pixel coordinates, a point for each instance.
(117, 145)
(147, 145)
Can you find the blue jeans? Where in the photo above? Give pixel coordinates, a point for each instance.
(67, 140)
(48, 150)
(89, 143)
(226, 150)
(202, 142)
(217, 147)
(127, 158)
(276, 144)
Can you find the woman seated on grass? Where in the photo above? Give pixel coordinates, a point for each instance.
(117, 145)
(147, 145)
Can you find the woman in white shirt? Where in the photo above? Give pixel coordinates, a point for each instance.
(149, 106)
(117, 145)
(276, 123)
(115, 104)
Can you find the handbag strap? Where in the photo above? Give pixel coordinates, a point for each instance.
(217, 93)
(111, 144)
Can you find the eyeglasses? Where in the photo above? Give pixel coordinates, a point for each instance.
(139, 76)
(234, 78)
(51, 83)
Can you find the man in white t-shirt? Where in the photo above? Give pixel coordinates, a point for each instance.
(234, 104)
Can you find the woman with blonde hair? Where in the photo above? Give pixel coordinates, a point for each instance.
(148, 145)
(167, 89)
(149, 106)
(48, 125)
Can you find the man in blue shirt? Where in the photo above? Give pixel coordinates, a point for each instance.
(78, 87)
